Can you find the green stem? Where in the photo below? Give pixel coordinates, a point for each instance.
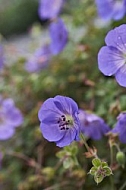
(84, 141)
(86, 145)
(111, 155)
(112, 183)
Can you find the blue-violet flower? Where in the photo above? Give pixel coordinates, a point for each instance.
(111, 9)
(58, 35)
(120, 127)
(10, 118)
(112, 58)
(92, 125)
(40, 59)
(59, 120)
(49, 9)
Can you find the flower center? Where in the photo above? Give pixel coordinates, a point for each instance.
(65, 122)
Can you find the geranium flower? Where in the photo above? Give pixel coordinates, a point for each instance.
(111, 9)
(59, 120)
(120, 127)
(112, 58)
(92, 125)
(39, 60)
(49, 9)
(10, 118)
(58, 35)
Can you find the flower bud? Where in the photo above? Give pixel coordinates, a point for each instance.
(120, 157)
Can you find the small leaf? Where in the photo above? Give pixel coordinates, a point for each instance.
(96, 162)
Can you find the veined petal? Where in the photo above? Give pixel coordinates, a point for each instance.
(69, 137)
(117, 38)
(66, 104)
(121, 76)
(110, 59)
(51, 132)
(46, 107)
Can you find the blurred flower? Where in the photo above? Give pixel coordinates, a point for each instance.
(111, 9)
(59, 120)
(112, 58)
(58, 35)
(92, 126)
(40, 59)
(49, 9)
(120, 127)
(10, 117)
(1, 57)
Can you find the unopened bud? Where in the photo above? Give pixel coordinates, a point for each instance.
(120, 157)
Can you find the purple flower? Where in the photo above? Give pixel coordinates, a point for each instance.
(120, 127)
(111, 9)
(92, 126)
(112, 58)
(1, 57)
(59, 120)
(49, 9)
(58, 35)
(10, 117)
(40, 59)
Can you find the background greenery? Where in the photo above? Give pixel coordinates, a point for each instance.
(30, 162)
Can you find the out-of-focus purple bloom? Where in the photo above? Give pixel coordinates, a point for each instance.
(10, 117)
(58, 35)
(40, 59)
(59, 120)
(1, 57)
(120, 127)
(112, 58)
(92, 126)
(49, 9)
(111, 9)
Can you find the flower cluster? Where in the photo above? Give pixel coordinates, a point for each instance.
(111, 9)
(10, 118)
(49, 9)
(112, 58)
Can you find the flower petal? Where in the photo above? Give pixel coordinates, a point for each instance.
(121, 76)
(119, 10)
(68, 137)
(51, 132)
(6, 132)
(58, 35)
(110, 60)
(105, 9)
(66, 104)
(117, 38)
(48, 106)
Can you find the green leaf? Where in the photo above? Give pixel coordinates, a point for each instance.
(107, 170)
